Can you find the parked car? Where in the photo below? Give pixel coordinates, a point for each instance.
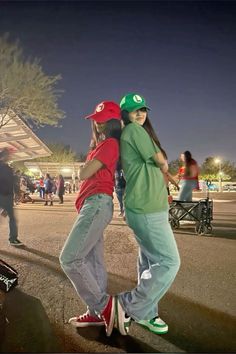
(213, 187)
(229, 187)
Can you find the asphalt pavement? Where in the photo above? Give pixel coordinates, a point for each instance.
(199, 307)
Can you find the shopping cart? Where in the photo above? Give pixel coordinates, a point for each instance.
(200, 212)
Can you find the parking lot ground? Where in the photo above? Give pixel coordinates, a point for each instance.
(199, 307)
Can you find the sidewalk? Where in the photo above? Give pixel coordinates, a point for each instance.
(199, 308)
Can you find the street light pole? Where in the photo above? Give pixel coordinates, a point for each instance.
(218, 161)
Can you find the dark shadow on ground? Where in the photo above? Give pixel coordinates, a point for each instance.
(229, 234)
(226, 225)
(223, 232)
(126, 343)
(2, 317)
(54, 268)
(192, 327)
(28, 324)
(51, 258)
(197, 328)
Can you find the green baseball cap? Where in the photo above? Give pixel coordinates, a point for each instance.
(132, 102)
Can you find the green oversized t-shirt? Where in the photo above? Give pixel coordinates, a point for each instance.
(146, 190)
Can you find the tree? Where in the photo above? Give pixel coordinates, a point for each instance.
(210, 170)
(81, 157)
(229, 169)
(25, 90)
(209, 167)
(174, 166)
(60, 153)
(19, 165)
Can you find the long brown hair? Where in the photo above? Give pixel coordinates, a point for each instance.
(112, 130)
(188, 162)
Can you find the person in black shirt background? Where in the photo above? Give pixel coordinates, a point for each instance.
(120, 187)
(7, 196)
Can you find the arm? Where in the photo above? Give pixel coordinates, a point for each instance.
(160, 161)
(89, 169)
(177, 176)
(172, 180)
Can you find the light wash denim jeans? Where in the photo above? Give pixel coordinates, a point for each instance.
(186, 190)
(82, 257)
(158, 264)
(6, 203)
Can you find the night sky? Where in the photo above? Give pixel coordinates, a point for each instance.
(179, 55)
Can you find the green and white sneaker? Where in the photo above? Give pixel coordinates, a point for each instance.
(156, 325)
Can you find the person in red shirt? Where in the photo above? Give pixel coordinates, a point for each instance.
(82, 255)
(188, 176)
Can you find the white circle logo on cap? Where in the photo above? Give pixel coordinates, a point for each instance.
(137, 99)
(100, 107)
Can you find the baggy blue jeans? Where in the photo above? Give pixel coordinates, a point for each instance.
(82, 257)
(120, 196)
(6, 203)
(158, 264)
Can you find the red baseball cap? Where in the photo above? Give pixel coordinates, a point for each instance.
(105, 111)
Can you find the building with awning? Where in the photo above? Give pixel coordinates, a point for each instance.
(26, 146)
(20, 139)
(66, 169)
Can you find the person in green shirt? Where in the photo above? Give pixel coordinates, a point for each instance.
(144, 163)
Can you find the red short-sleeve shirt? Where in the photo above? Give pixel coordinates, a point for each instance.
(103, 180)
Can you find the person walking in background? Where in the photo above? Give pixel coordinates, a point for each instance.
(146, 209)
(41, 188)
(188, 176)
(120, 187)
(60, 184)
(54, 186)
(7, 196)
(48, 184)
(23, 189)
(82, 257)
